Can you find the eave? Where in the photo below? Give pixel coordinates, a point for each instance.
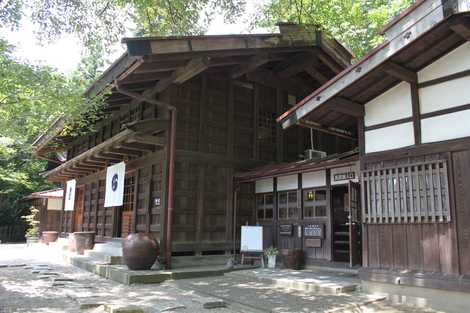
(426, 36)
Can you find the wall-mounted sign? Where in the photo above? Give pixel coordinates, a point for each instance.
(157, 201)
(344, 176)
(285, 229)
(70, 195)
(314, 230)
(114, 195)
(313, 242)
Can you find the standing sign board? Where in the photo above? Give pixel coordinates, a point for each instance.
(251, 239)
(114, 195)
(70, 195)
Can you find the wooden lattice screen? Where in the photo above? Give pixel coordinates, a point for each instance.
(412, 193)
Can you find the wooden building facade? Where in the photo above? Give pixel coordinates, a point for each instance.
(49, 204)
(409, 104)
(216, 98)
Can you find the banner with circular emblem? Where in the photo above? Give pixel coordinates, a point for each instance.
(114, 195)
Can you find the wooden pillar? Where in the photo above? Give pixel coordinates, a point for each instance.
(201, 179)
(416, 112)
(255, 121)
(279, 134)
(148, 196)
(275, 213)
(230, 118)
(329, 210)
(134, 205)
(229, 204)
(203, 115)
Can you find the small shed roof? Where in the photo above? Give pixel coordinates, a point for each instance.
(424, 33)
(57, 193)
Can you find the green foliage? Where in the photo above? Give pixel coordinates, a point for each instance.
(355, 23)
(32, 221)
(271, 251)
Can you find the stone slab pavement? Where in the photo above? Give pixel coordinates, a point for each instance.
(36, 279)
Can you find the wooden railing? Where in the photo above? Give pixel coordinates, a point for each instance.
(411, 193)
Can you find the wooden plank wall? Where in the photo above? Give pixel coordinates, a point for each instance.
(428, 247)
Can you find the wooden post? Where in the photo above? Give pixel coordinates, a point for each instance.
(255, 121)
(201, 179)
(230, 118)
(279, 133)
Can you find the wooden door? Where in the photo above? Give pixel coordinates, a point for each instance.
(78, 210)
(354, 224)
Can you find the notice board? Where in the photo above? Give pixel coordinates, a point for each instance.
(251, 239)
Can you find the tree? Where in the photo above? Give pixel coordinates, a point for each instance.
(355, 23)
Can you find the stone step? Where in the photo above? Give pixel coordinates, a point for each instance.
(203, 260)
(299, 280)
(111, 259)
(110, 248)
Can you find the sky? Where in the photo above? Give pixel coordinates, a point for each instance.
(64, 54)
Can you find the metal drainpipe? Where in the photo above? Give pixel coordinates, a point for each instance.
(171, 165)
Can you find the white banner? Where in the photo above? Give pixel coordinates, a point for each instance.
(114, 195)
(70, 195)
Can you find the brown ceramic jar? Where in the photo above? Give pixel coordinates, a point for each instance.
(140, 251)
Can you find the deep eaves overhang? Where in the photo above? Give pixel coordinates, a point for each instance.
(406, 32)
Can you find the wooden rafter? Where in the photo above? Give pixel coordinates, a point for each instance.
(254, 62)
(347, 106)
(328, 130)
(400, 72)
(297, 64)
(461, 26)
(316, 74)
(268, 78)
(329, 62)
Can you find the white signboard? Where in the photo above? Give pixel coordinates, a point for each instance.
(252, 239)
(70, 195)
(114, 195)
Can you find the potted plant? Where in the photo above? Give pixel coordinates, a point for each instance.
(32, 234)
(271, 253)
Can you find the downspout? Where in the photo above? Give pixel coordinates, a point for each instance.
(171, 164)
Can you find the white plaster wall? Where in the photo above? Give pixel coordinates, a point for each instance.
(445, 127)
(314, 179)
(392, 105)
(54, 204)
(457, 60)
(287, 182)
(445, 95)
(264, 185)
(344, 169)
(388, 138)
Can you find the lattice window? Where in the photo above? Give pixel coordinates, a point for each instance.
(414, 193)
(266, 125)
(264, 206)
(128, 202)
(314, 203)
(288, 205)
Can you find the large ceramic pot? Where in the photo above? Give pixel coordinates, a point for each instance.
(140, 251)
(81, 241)
(293, 258)
(49, 236)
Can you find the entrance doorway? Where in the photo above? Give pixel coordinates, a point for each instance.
(346, 227)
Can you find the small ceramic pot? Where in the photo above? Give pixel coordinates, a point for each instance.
(81, 241)
(49, 236)
(140, 251)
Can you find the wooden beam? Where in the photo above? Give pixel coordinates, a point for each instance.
(297, 64)
(268, 78)
(126, 152)
(461, 26)
(149, 125)
(325, 59)
(193, 68)
(347, 106)
(137, 146)
(254, 62)
(329, 130)
(147, 139)
(316, 74)
(400, 72)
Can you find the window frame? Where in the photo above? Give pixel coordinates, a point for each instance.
(264, 206)
(288, 207)
(315, 203)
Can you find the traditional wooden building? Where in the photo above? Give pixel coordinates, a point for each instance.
(49, 204)
(408, 101)
(185, 114)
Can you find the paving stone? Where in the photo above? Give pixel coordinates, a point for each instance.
(17, 265)
(49, 273)
(44, 277)
(90, 303)
(172, 308)
(3, 265)
(64, 279)
(122, 308)
(210, 303)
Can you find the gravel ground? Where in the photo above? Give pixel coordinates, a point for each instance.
(35, 279)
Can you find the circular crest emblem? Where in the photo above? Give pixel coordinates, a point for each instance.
(114, 182)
